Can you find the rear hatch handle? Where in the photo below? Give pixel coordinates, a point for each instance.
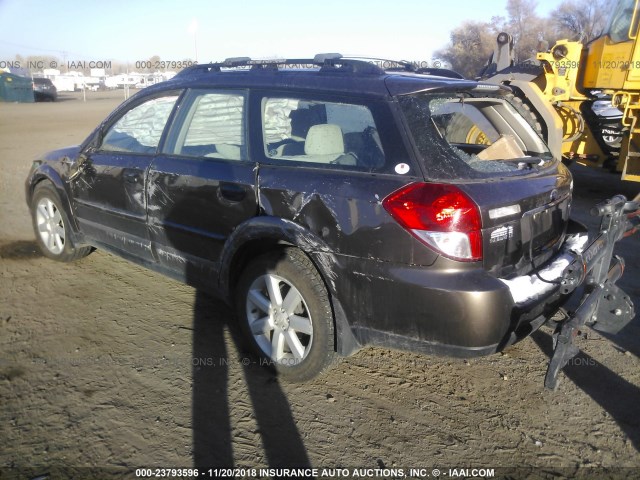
(604, 306)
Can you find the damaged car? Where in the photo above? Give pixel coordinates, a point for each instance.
(336, 204)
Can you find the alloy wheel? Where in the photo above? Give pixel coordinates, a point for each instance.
(279, 319)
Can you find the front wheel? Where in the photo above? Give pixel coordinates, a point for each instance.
(51, 225)
(284, 309)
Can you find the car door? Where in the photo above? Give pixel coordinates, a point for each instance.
(202, 185)
(109, 195)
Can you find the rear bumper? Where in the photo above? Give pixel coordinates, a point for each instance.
(456, 313)
(529, 289)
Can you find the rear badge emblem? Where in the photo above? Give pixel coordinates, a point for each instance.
(501, 234)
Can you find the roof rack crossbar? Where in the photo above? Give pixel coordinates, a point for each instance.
(323, 57)
(401, 64)
(324, 62)
(236, 61)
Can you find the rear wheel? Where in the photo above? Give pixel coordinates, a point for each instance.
(284, 309)
(51, 226)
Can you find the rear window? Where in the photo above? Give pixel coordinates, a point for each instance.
(462, 136)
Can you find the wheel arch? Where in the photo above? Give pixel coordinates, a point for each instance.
(46, 173)
(261, 235)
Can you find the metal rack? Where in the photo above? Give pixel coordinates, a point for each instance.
(322, 62)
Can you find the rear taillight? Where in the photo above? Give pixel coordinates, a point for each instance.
(441, 216)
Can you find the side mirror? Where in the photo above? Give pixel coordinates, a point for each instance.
(76, 168)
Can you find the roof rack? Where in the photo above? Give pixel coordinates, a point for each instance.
(323, 62)
(387, 63)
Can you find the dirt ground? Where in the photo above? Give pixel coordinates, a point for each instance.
(106, 365)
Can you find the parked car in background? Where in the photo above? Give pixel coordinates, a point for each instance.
(44, 90)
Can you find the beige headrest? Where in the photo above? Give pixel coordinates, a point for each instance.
(324, 139)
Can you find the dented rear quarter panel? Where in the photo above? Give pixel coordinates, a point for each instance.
(377, 270)
(344, 209)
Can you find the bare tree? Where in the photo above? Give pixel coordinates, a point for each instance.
(582, 21)
(471, 43)
(526, 27)
(520, 14)
(469, 47)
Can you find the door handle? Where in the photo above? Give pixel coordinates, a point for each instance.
(232, 192)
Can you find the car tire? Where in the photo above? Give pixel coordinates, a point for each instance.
(462, 130)
(285, 312)
(52, 227)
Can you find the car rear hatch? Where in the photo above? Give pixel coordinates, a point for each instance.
(483, 145)
(524, 220)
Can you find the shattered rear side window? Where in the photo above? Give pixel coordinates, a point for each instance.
(460, 136)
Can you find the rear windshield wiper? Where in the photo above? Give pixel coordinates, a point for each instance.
(526, 160)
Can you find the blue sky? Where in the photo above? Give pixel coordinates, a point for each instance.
(129, 30)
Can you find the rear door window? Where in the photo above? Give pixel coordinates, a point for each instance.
(213, 126)
(323, 133)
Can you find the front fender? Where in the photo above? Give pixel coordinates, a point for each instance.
(42, 172)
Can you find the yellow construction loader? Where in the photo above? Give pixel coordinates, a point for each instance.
(562, 84)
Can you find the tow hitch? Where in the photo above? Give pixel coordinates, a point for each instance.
(604, 306)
